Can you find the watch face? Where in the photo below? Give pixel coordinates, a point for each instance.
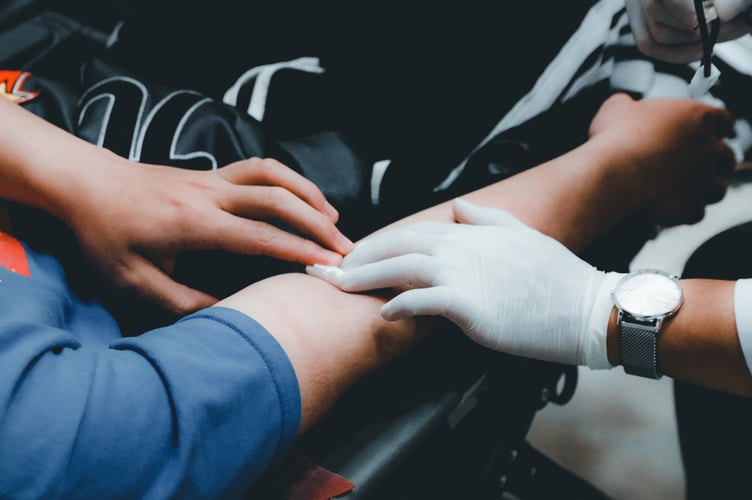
(648, 294)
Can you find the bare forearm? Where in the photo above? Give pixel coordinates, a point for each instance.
(637, 156)
(334, 338)
(41, 165)
(700, 344)
(574, 198)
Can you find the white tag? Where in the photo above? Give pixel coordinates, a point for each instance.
(711, 14)
(701, 84)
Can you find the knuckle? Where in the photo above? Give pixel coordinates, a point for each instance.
(270, 164)
(403, 239)
(186, 216)
(277, 196)
(264, 239)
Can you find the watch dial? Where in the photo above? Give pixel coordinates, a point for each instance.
(648, 294)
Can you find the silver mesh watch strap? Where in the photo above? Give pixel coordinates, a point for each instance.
(638, 346)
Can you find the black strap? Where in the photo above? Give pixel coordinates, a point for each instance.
(708, 38)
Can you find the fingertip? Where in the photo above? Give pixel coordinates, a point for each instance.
(464, 210)
(344, 244)
(390, 313)
(189, 301)
(331, 212)
(459, 201)
(327, 257)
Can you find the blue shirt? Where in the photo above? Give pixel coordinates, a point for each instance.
(199, 408)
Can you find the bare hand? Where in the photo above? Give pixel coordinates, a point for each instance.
(676, 147)
(135, 219)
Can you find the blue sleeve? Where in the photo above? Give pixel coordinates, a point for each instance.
(197, 409)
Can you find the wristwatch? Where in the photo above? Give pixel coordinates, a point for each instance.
(644, 298)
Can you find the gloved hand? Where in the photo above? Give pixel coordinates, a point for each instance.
(506, 285)
(667, 29)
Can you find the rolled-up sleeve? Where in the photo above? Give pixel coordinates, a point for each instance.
(197, 409)
(743, 314)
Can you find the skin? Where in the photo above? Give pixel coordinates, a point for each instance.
(335, 338)
(162, 211)
(700, 343)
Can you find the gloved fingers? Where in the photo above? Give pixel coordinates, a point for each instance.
(404, 271)
(434, 301)
(415, 238)
(470, 213)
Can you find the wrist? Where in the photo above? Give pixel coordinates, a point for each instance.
(598, 349)
(613, 347)
(80, 181)
(43, 165)
(57, 181)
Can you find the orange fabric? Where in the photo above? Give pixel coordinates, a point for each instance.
(310, 481)
(13, 255)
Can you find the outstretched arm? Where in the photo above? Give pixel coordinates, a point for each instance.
(133, 219)
(203, 406)
(664, 157)
(701, 343)
(513, 289)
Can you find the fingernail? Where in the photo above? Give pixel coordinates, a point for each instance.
(344, 243)
(388, 313)
(333, 213)
(330, 258)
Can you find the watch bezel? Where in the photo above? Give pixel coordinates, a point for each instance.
(641, 317)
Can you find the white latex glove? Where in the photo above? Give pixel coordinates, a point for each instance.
(667, 29)
(506, 285)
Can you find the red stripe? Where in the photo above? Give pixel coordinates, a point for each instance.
(13, 255)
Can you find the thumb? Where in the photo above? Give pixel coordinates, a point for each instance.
(433, 301)
(151, 283)
(469, 213)
(611, 109)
